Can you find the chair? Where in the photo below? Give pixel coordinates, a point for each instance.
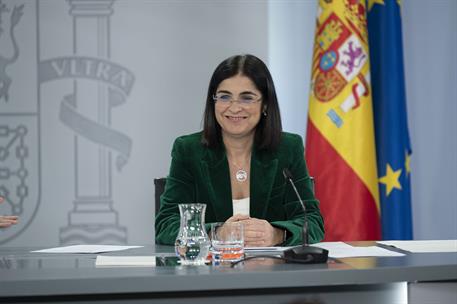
(313, 184)
(159, 184)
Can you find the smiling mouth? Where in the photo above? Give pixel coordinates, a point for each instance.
(235, 118)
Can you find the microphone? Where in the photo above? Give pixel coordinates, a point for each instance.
(303, 253)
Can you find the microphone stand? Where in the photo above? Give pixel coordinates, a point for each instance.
(303, 253)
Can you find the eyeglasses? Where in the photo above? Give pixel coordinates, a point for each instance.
(243, 99)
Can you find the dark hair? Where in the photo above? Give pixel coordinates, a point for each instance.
(268, 130)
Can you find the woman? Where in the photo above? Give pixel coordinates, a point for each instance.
(7, 220)
(235, 166)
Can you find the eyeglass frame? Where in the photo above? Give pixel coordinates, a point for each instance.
(232, 100)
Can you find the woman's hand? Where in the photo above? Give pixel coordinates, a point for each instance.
(237, 217)
(260, 233)
(7, 220)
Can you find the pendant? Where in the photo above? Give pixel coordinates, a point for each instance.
(241, 175)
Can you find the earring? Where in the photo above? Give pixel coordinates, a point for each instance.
(264, 113)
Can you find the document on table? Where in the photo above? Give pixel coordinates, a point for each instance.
(85, 249)
(343, 250)
(424, 246)
(103, 260)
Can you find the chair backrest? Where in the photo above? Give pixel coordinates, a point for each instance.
(313, 184)
(159, 185)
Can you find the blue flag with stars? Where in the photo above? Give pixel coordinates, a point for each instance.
(393, 147)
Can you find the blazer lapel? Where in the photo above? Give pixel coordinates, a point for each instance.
(263, 174)
(217, 179)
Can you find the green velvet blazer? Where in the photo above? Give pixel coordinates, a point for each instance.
(201, 175)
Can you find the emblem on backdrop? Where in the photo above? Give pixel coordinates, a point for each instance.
(99, 87)
(19, 126)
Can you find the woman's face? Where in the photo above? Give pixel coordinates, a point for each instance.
(238, 119)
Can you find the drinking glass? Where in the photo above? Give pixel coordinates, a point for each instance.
(227, 242)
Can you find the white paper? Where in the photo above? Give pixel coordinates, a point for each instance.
(333, 245)
(86, 249)
(103, 260)
(343, 250)
(424, 246)
(265, 249)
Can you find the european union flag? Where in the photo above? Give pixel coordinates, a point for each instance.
(393, 147)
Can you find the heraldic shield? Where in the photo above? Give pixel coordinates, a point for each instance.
(76, 88)
(19, 120)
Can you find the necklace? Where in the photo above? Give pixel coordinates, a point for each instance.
(241, 175)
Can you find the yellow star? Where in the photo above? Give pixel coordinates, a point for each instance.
(391, 179)
(407, 163)
(373, 2)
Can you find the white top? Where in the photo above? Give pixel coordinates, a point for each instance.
(241, 206)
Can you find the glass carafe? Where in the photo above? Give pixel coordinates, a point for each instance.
(192, 243)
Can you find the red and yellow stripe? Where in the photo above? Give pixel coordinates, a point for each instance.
(340, 143)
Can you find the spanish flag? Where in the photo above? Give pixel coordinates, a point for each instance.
(340, 140)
